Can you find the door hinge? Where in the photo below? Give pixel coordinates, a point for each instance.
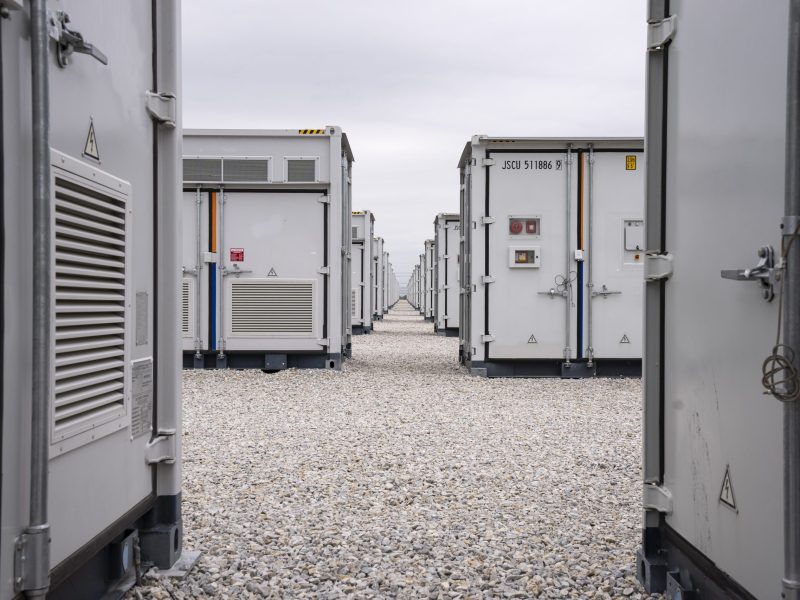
(487, 279)
(657, 497)
(486, 337)
(660, 32)
(487, 162)
(161, 449)
(487, 220)
(324, 199)
(657, 266)
(324, 270)
(161, 107)
(32, 543)
(322, 342)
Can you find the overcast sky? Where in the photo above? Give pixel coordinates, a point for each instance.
(410, 81)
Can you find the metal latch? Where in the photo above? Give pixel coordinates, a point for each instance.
(324, 270)
(161, 449)
(766, 273)
(656, 497)
(661, 32)
(324, 199)
(657, 266)
(487, 338)
(69, 41)
(487, 279)
(323, 342)
(487, 162)
(234, 271)
(604, 292)
(193, 272)
(487, 220)
(161, 107)
(553, 292)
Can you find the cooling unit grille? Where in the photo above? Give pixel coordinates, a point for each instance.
(241, 170)
(301, 170)
(90, 311)
(272, 306)
(352, 303)
(202, 170)
(186, 306)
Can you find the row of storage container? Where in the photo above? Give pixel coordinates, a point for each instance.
(374, 284)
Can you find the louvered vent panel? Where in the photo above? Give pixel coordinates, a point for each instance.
(90, 264)
(186, 299)
(202, 169)
(352, 303)
(355, 233)
(272, 306)
(299, 170)
(245, 170)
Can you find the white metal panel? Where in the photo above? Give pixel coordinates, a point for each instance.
(452, 281)
(360, 287)
(524, 320)
(618, 200)
(195, 205)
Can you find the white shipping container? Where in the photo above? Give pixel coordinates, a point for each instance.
(446, 285)
(379, 266)
(554, 254)
(363, 274)
(267, 227)
(722, 198)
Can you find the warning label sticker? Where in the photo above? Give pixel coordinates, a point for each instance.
(630, 162)
(142, 405)
(90, 147)
(237, 254)
(726, 494)
(272, 272)
(533, 340)
(625, 339)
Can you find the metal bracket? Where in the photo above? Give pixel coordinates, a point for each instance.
(553, 292)
(324, 270)
(194, 272)
(790, 225)
(487, 220)
(657, 266)
(605, 292)
(161, 449)
(324, 199)
(487, 162)
(660, 32)
(322, 342)
(11, 5)
(29, 575)
(234, 271)
(210, 257)
(656, 497)
(766, 273)
(69, 41)
(162, 108)
(487, 338)
(487, 279)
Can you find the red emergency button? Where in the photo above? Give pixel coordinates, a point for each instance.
(515, 227)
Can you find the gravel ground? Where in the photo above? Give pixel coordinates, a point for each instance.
(406, 477)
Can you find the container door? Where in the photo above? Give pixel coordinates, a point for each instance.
(452, 283)
(272, 254)
(617, 255)
(357, 292)
(533, 297)
(194, 279)
(724, 174)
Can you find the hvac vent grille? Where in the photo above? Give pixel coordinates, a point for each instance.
(241, 170)
(186, 291)
(301, 170)
(352, 303)
(270, 306)
(90, 311)
(355, 233)
(202, 170)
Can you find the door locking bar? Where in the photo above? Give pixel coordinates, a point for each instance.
(69, 41)
(604, 292)
(234, 271)
(766, 273)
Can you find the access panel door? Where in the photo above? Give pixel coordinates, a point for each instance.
(724, 201)
(273, 285)
(451, 283)
(532, 299)
(615, 254)
(359, 287)
(194, 277)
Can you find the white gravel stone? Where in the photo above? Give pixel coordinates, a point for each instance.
(406, 477)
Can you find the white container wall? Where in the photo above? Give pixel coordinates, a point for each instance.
(715, 519)
(267, 273)
(362, 271)
(379, 266)
(447, 289)
(88, 468)
(430, 272)
(559, 292)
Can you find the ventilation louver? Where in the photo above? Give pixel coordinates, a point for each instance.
(186, 307)
(245, 170)
(202, 170)
(272, 306)
(301, 170)
(355, 233)
(90, 307)
(352, 303)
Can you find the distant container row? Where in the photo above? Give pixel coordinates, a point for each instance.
(277, 270)
(541, 272)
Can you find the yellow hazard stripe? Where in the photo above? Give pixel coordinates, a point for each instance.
(311, 131)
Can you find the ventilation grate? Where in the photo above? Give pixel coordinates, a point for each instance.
(355, 233)
(352, 303)
(90, 269)
(272, 306)
(186, 306)
(202, 170)
(243, 170)
(301, 170)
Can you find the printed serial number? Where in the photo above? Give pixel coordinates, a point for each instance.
(532, 165)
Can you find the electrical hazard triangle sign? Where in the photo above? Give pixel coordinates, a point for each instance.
(272, 273)
(90, 147)
(726, 494)
(624, 339)
(533, 340)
